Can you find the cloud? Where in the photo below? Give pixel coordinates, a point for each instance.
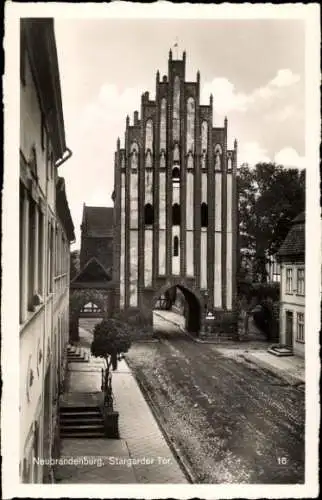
(110, 109)
(284, 78)
(289, 157)
(252, 153)
(227, 98)
(283, 114)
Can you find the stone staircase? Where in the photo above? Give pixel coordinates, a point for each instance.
(77, 355)
(81, 422)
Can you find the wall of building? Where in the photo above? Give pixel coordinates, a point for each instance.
(44, 283)
(175, 161)
(293, 301)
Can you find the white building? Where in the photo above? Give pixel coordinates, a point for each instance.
(291, 256)
(46, 230)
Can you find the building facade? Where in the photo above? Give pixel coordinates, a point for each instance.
(176, 204)
(46, 230)
(97, 236)
(92, 289)
(291, 257)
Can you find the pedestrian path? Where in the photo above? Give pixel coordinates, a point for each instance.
(290, 368)
(141, 455)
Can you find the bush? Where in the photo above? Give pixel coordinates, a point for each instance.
(261, 291)
(111, 337)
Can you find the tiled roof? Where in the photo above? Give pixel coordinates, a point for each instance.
(97, 221)
(63, 210)
(294, 243)
(93, 271)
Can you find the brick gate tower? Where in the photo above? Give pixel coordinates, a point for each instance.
(176, 205)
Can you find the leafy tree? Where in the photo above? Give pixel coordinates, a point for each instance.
(270, 197)
(111, 340)
(74, 263)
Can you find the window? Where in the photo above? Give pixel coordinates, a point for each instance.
(148, 215)
(300, 281)
(50, 253)
(176, 174)
(31, 257)
(90, 307)
(204, 215)
(175, 246)
(300, 327)
(176, 216)
(40, 252)
(289, 280)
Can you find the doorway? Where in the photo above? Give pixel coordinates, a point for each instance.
(289, 328)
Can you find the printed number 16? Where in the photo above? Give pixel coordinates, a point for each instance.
(282, 460)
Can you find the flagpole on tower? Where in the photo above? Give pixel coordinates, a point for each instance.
(177, 48)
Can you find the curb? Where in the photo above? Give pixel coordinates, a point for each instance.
(283, 374)
(185, 467)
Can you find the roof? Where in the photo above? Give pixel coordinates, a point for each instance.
(38, 36)
(63, 210)
(98, 221)
(294, 243)
(92, 272)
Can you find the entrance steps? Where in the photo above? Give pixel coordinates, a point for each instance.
(81, 422)
(77, 355)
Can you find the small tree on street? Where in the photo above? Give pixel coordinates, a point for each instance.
(111, 341)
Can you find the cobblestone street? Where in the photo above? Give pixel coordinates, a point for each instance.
(231, 421)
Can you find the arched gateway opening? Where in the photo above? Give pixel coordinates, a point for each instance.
(179, 307)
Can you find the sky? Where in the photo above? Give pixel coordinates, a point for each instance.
(255, 70)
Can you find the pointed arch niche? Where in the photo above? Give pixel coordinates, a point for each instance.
(190, 125)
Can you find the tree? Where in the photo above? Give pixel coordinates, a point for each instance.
(74, 263)
(111, 341)
(270, 197)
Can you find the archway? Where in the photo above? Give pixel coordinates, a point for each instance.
(87, 308)
(178, 305)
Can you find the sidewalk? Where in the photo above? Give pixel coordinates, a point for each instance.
(141, 455)
(290, 368)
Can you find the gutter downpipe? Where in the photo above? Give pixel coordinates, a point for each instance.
(62, 160)
(59, 162)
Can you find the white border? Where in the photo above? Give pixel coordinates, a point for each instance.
(10, 344)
